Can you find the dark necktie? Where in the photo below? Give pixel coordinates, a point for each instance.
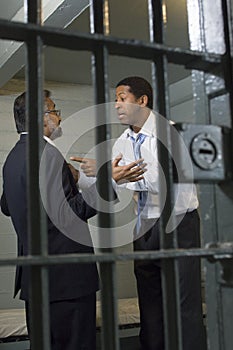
(142, 195)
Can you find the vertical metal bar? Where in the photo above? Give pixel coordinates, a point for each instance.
(209, 31)
(169, 267)
(37, 220)
(197, 42)
(228, 71)
(109, 334)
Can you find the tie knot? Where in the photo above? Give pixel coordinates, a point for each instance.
(140, 138)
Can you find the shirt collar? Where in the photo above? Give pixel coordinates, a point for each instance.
(49, 140)
(46, 138)
(148, 127)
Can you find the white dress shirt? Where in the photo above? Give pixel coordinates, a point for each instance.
(185, 195)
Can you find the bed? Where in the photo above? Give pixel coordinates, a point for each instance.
(13, 331)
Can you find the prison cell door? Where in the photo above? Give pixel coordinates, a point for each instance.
(210, 30)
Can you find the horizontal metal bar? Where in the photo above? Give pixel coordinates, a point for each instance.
(215, 253)
(116, 46)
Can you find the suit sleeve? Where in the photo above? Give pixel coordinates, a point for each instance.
(63, 202)
(84, 208)
(4, 206)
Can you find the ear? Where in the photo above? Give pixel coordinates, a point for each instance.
(143, 100)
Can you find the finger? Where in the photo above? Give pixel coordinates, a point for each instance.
(117, 160)
(89, 173)
(142, 166)
(136, 174)
(138, 169)
(77, 159)
(84, 167)
(136, 179)
(135, 163)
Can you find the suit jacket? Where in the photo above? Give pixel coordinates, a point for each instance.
(67, 215)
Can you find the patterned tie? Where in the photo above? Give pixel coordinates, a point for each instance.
(142, 195)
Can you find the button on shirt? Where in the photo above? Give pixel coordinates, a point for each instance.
(185, 194)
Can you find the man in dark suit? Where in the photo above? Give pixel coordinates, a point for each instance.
(72, 287)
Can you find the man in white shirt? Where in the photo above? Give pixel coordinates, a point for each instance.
(134, 101)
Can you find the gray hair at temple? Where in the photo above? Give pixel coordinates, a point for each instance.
(20, 111)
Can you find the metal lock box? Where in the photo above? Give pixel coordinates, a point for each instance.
(210, 151)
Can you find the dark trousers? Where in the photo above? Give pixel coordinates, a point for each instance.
(73, 323)
(148, 275)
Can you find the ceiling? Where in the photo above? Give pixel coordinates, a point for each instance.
(128, 19)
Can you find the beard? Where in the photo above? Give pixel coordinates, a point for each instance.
(56, 133)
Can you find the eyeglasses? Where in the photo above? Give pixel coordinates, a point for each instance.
(54, 111)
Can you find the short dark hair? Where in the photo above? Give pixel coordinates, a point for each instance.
(139, 86)
(20, 111)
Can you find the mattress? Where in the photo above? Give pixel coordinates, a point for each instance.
(13, 321)
(128, 312)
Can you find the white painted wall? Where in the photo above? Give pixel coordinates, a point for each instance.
(181, 101)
